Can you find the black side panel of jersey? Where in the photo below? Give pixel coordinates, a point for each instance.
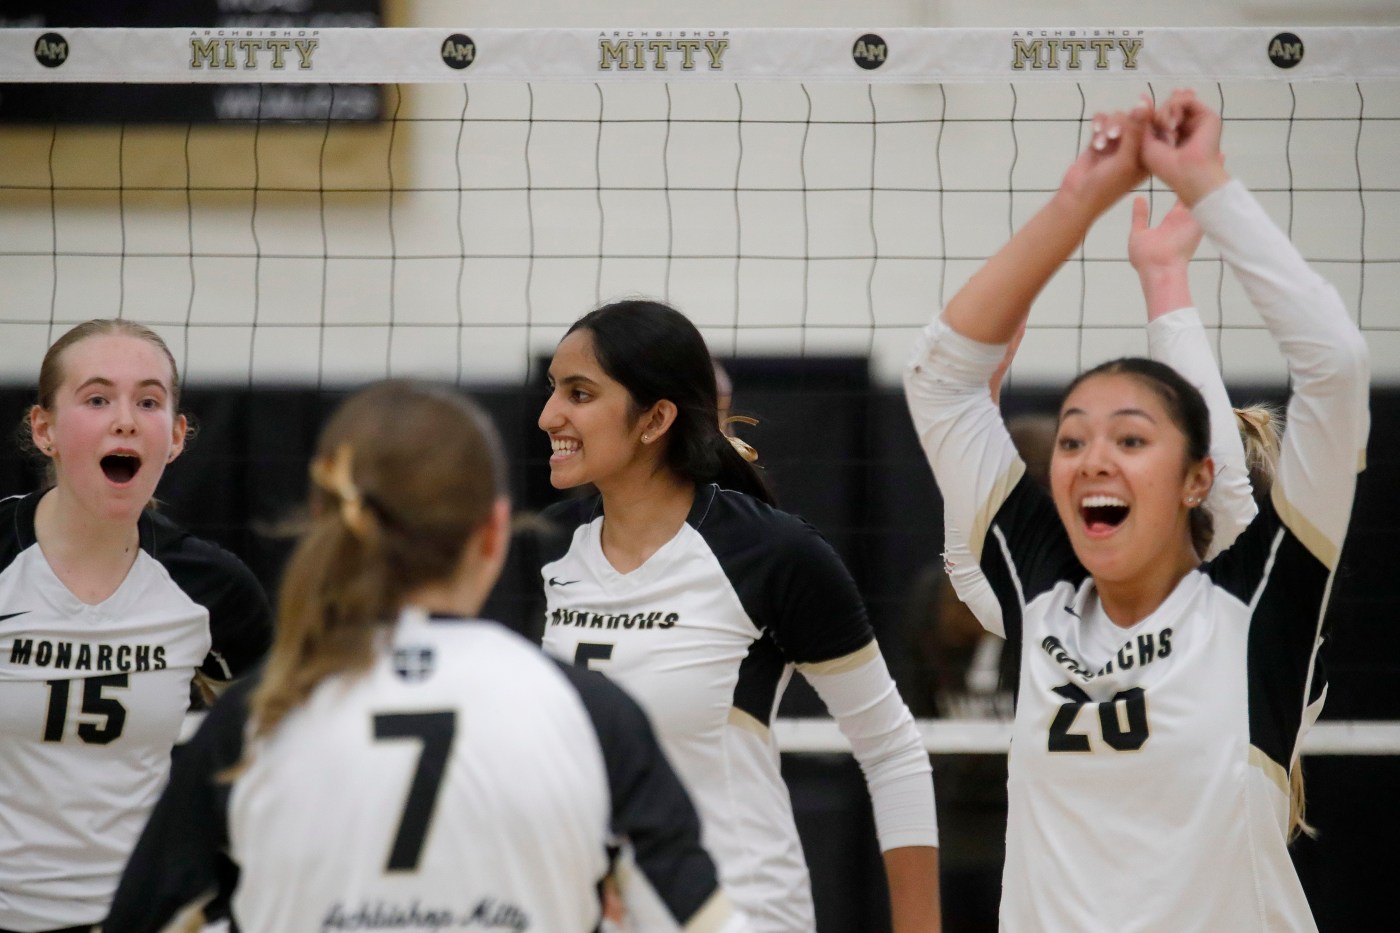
(240, 619)
(649, 804)
(557, 525)
(789, 579)
(180, 856)
(12, 539)
(518, 598)
(1040, 552)
(759, 675)
(1282, 630)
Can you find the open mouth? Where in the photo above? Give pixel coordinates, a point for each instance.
(120, 468)
(1102, 514)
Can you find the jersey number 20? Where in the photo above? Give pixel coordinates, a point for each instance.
(1115, 735)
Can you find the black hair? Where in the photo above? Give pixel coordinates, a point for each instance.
(656, 353)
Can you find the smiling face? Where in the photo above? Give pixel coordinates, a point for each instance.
(594, 428)
(111, 426)
(1122, 481)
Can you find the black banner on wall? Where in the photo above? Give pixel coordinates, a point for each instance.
(188, 103)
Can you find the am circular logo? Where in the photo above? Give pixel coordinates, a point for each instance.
(458, 51)
(870, 51)
(51, 50)
(1285, 50)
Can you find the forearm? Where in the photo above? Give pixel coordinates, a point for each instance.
(1328, 362)
(1166, 288)
(859, 692)
(1179, 340)
(912, 872)
(997, 299)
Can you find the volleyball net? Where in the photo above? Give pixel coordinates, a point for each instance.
(794, 191)
(338, 205)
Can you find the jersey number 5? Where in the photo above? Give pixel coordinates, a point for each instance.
(590, 651)
(1115, 735)
(436, 731)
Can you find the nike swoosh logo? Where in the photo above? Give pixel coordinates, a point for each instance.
(555, 581)
(11, 615)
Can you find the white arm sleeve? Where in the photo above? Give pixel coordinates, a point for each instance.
(972, 456)
(1328, 413)
(861, 695)
(1179, 340)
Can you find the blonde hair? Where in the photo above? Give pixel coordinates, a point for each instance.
(404, 474)
(1298, 824)
(1260, 427)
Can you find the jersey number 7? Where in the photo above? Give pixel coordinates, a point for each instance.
(436, 731)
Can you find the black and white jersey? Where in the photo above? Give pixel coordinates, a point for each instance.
(1149, 766)
(464, 781)
(91, 702)
(705, 635)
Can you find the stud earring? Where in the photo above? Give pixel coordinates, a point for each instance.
(646, 438)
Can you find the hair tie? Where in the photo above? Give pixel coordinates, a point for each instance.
(741, 446)
(335, 475)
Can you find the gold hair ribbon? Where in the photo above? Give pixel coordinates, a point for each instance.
(335, 475)
(741, 446)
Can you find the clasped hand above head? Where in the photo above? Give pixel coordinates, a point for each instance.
(1177, 141)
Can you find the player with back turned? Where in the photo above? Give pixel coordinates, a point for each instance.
(401, 764)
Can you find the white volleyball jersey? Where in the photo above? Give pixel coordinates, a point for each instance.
(91, 701)
(705, 635)
(1149, 766)
(465, 781)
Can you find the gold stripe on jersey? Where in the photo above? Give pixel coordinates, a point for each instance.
(1272, 769)
(1312, 538)
(847, 662)
(747, 722)
(713, 915)
(996, 496)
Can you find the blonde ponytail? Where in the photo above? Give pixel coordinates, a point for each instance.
(1298, 824)
(404, 474)
(1260, 430)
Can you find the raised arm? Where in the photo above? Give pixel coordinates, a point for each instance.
(1328, 415)
(955, 368)
(992, 305)
(1175, 336)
